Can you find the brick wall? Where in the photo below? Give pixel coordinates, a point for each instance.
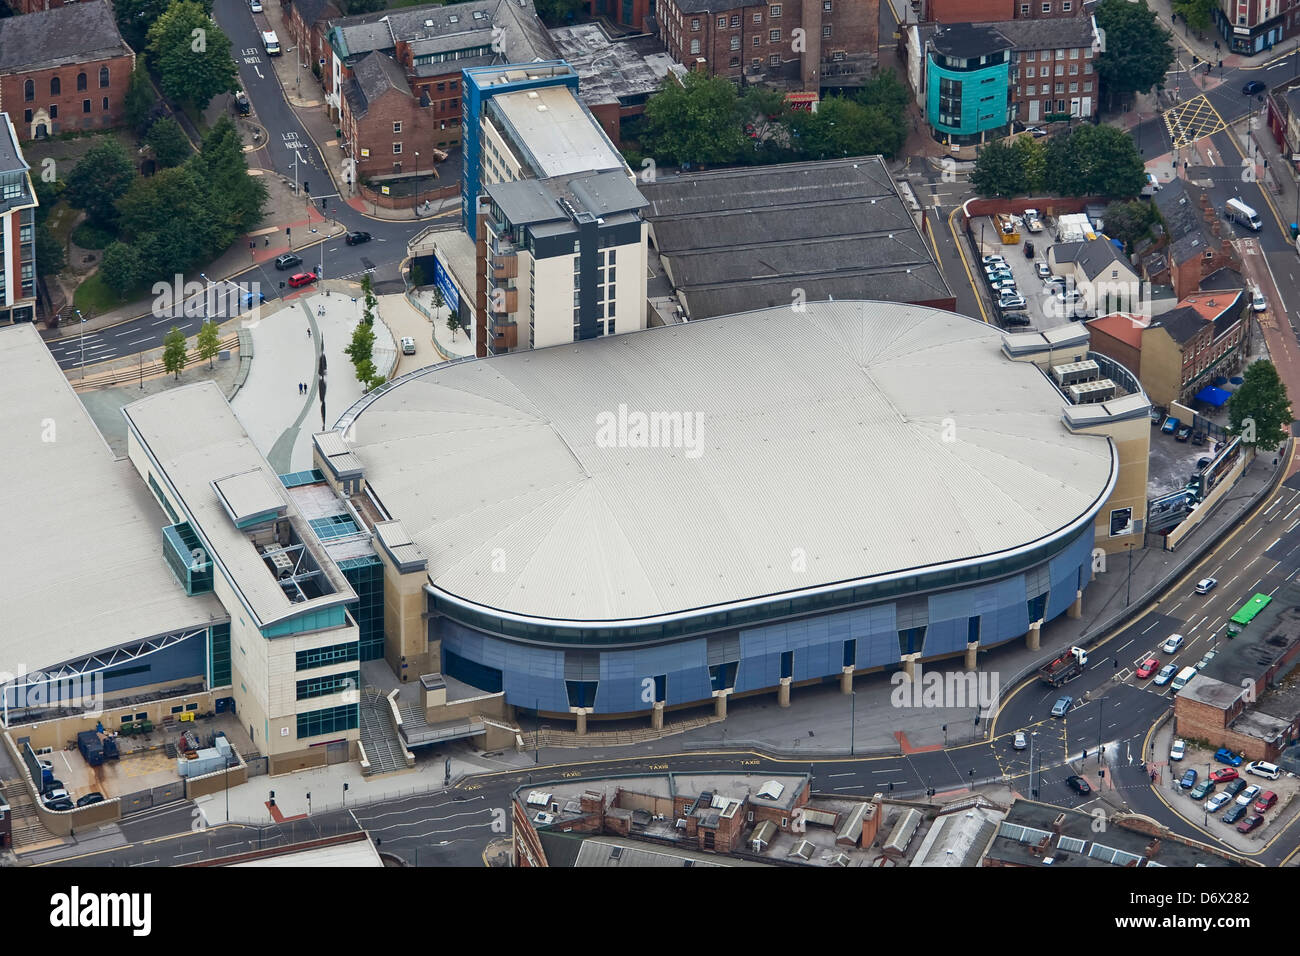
(65, 109)
(422, 129)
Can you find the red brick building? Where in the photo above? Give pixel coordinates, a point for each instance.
(793, 44)
(637, 14)
(1196, 247)
(34, 6)
(976, 11)
(64, 69)
(307, 22)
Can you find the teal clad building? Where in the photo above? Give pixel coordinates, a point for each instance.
(968, 84)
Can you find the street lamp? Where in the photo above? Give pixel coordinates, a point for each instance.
(206, 287)
(1101, 724)
(345, 793)
(853, 706)
(417, 184)
(1128, 589)
(83, 342)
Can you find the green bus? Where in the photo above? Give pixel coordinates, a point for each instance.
(1247, 613)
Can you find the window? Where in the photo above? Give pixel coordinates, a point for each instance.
(1024, 9)
(837, 56)
(1030, 72)
(773, 36)
(735, 45)
(1065, 6)
(1087, 87)
(755, 63)
(103, 77)
(1074, 69)
(81, 82)
(1060, 87)
(1060, 54)
(397, 148)
(1060, 104)
(1087, 68)
(758, 18)
(722, 22)
(774, 11)
(735, 20)
(757, 40)
(826, 31)
(1060, 69)
(1074, 87)
(56, 86)
(325, 656)
(1074, 53)
(1047, 8)
(695, 23)
(695, 46)
(29, 91)
(1031, 91)
(27, 116)
(105, 104)
(735, 62)
(54, 110)
(85, 106)
(1031, 56)
(397, 127)
(774, 59)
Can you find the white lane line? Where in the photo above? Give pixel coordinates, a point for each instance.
(1117, 652)
(855, 786)
(1175, 607)
(1252, 537)
(1292, 574)
(1151, 625)
(834, 775)
(1255, 585)
(1233, 555)
(1273, 545)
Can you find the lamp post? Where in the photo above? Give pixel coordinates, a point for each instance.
(1128, 588)
(1033, 790)
(1101, 724)
(206, 286)
(82, 320)
(345, 793)
(853, 706)
(417, 184)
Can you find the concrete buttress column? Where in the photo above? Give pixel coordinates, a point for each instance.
(657, 715)
(971, 651)
(846, 680)
(783, 692)
(1031, 639)
(1075, 610)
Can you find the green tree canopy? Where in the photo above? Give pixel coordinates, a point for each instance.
(170, 145)
(696, 121)
(209, 341)
(140, 97)
(1198, 13)
(120, 268)
(50, 258)
(999, 171)
(174, 351)
(1260, 411)
(222, 166)
(173, 221)
(1032, 153)
(1137, 51)
(101, 177)
(191, 55)
(135, 17)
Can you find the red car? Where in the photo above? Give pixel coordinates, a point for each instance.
(301, 279)
(1224, 775)
(1250, 823)
(1266, 800)
(1148, 667)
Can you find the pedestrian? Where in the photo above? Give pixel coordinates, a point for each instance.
(309, 331)
(266, 241)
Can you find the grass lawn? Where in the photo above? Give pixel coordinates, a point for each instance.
(95, 298)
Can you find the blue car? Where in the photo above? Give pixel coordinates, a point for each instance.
(1189, 780)
(1170, 426)
(1224, 755)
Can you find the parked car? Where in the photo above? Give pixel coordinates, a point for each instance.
(54, 792)
(300, 279)
(1233, 814)
(1156, 415)
(1188, 779)
(1062, 706)
(993, 258)
(62, 803)
(1202, 789)
(356, 238)
(287, 261)
(1198, 438)
(1166, 675)
(1252, 822)
(1171, 645)
(1015, 318)
(255, 5)
(1224, 775)
(242, 106)
(1258, 302)
(1078, 785)
(1206, 585)
(1029, 246)
(1216, 802)
(1266, 800)
(1043, 269)
(1019, 742)
(1012, 301)
(1249, 795)
(408, 345)
(1184, 433)
(1235, 787)
(1201, 464)
(1147, 667)
(1177, 751)
(1224, 755)
(1260, 768)
(1170, 426)
(1253, 87)
(90, 798)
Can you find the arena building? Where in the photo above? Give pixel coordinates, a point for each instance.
(648, 521)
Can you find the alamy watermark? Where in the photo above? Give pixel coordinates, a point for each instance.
(950, 689)
(36, 690)
(637, 429)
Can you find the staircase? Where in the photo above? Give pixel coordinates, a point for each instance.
(378, 737)
(27, 828)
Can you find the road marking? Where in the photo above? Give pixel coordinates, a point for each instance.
(834, 775)
(1273, 545)
(1255, 585)
(1126, 645)
(1151, 625)
(1270, 593)
(855, 786)
(1234, 554)
(1292, 574)
(1253, 536)
(1172, 609)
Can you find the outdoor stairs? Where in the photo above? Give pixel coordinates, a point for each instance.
(27, 828)
(378, 736)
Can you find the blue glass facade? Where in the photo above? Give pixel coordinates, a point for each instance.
(967, 99)
(629, 679)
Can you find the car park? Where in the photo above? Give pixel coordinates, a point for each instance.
(1224, 775)
(1260, 768)
(1235, 787)
(1062, 706)
(1184, 433)
(1078, 785)
(1147, 667)
(1249, 795)
(1043, 269)
(1206, 585)
(1266, 800)
(1015, 318)
(408, 346)
(993, 258)
(1172, 643)
(1252, 822)
(90, 798)
(1253, 87)
(1202, 790)
(356, 238)
(301, 279)
(1166, 675)
(62, 803)
(1233, 814)
(1177, 750)
(287, 261)
(1019, 742)
(1231, 758)
(1188, 779)
(1170, 426)
(1216, 802)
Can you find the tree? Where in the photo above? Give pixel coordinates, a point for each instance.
(223, 168)
(1032, 155)
(369, 301)
(101, 177)
(887, 92)
(417, 275)
(174, 351)
(50, 259)
(170, 145)
(121, 269)
(209, 341)
(361, 350)
(1137, 51)
(694, 121)
(174, 221)
(135, 17)
(999, 171)
(47, 194)
(140, 97)
(1130, 221)
(191, 55)
(1110, 162)
(1260, 410)
(1197, 13)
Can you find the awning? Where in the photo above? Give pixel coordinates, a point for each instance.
(1213, 396)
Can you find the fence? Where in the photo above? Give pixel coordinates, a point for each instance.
(153, 797)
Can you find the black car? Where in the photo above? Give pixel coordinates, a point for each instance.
(1015, 318)
(287, 261)
(1029, 249)
(62, 803)
(242, 106)
(1198, 438)
(1253, 87)
(1235, 787)
(1078, 785)
(90, 798)
(1184, 433)
(356, 238)
(1234, 813)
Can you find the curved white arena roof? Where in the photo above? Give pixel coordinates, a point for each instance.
(848, 441)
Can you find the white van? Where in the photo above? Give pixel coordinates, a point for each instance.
(1184, 675)
(1240, 213)
(271, 42)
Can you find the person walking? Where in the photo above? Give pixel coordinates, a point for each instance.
(309, 331)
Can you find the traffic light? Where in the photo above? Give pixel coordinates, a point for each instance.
(306, 187)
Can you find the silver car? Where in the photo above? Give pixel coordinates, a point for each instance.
(1019, 742)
